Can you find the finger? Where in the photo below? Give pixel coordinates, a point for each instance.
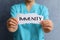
(47, 28)
(46, 22)
(11, 20)
(15, 19)
(12, 26)
(11, 23)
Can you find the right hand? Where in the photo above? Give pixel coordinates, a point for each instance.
(12, 24)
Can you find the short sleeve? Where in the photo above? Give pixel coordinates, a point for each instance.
(45, 13)
(13, 11)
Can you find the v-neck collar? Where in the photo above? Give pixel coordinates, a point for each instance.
(30, 9)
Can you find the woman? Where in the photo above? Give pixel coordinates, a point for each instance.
(29, 31)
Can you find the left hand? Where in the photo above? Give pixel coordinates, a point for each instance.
(47, 25)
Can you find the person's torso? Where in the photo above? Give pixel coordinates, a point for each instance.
(29, 31)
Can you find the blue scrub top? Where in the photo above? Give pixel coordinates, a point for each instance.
(29, 31)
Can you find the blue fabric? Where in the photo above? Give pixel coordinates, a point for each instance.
(29, 31)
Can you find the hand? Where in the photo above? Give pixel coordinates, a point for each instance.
(47, 25)
(12, 24)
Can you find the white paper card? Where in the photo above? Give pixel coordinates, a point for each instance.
(29, 18)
